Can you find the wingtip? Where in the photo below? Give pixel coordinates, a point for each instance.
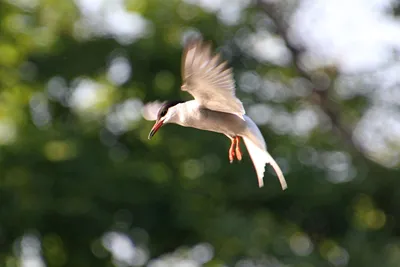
(193, 42)
(199, 43)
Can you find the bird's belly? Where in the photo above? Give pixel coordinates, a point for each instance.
(215, 121)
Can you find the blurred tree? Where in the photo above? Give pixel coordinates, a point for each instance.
(80, 184)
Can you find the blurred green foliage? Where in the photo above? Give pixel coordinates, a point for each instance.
(77, 170)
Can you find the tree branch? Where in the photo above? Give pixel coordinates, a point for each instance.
(320, 88)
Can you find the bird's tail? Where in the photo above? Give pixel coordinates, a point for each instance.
(260, 157)
(257, 148)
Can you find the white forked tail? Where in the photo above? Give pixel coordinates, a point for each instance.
(260, 157)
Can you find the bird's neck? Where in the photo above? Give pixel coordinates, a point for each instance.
(185, 112)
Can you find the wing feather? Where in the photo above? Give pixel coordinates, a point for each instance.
(150, 110)
(209, 80)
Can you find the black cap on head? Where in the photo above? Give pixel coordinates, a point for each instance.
(164, 108)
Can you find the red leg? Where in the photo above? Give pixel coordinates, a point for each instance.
(237, 149)
(231, 150)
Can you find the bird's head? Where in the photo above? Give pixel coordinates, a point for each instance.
(166, 114)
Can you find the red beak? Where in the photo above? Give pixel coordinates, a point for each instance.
(155, 128)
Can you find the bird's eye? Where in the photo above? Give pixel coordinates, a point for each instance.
(163, 113)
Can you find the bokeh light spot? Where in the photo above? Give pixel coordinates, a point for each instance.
(301, 244)
(60, 150)
(164, 81)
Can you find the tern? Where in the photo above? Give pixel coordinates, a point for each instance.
(215, 107)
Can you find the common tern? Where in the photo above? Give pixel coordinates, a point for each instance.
(215, 107)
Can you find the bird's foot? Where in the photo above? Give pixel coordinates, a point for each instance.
(237, 149)
(232, 151)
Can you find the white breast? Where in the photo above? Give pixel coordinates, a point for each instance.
(191, 114)
(188, 113)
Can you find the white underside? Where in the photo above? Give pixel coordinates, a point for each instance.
(192, 114)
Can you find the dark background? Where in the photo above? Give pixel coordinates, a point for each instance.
(80, 184)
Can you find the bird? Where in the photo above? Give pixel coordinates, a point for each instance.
(215, 107)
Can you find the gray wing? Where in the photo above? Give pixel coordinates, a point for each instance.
(209, 80)
(150, 110)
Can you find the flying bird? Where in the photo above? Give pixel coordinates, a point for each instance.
(215, 107)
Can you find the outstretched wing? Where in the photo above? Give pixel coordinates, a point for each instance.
(150, 110)
(209, 80)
